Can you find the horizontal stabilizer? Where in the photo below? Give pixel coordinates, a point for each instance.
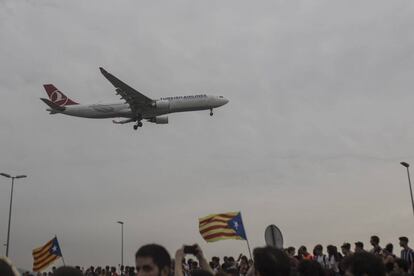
(52, 105)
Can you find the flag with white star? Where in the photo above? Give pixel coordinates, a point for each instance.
(222, 226)
(45, 255)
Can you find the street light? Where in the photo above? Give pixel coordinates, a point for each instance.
(406, 165)
(122, 242)
(10, 209)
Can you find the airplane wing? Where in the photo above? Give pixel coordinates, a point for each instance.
(135, 99)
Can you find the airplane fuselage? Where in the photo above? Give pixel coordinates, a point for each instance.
(135, 108)
(159, 107)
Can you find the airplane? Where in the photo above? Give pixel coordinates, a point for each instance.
(135, 108)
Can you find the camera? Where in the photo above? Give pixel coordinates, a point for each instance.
(190, 249)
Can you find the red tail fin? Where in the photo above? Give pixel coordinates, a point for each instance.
(56, 96)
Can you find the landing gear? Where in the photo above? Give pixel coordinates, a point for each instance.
(211, 112)
(137, 125)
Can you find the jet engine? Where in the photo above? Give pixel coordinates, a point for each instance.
(159, 120)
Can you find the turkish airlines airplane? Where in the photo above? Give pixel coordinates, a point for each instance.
(136, 107)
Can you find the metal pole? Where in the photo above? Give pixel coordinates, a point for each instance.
(11, 205)
(10, 211)
(411, 190)
(122, 244)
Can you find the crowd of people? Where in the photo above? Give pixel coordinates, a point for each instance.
(154, 260)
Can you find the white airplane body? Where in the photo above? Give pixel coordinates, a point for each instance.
(135, 108)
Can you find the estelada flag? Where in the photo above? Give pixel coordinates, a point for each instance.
(222, 226)
(45, 255)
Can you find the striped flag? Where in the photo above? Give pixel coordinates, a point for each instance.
(222, 226)
(46, 254)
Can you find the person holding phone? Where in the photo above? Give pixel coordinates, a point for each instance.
(196, 251)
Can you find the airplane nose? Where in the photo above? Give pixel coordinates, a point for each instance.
(225, 101)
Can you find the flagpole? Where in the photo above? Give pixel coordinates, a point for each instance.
(248, 247)
(247, 240)
(63, 259)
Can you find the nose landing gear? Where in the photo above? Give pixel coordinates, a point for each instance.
(211, 112)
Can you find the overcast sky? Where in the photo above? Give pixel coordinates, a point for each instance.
(320, 115)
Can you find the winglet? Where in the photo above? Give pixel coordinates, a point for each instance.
(103, 71)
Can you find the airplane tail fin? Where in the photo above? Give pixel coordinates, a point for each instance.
(54, 107)
(56, 96)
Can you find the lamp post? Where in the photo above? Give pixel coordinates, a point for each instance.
(122, 242)
(406, 165)
(10, 209)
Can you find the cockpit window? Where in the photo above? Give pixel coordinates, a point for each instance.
(221, 97)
